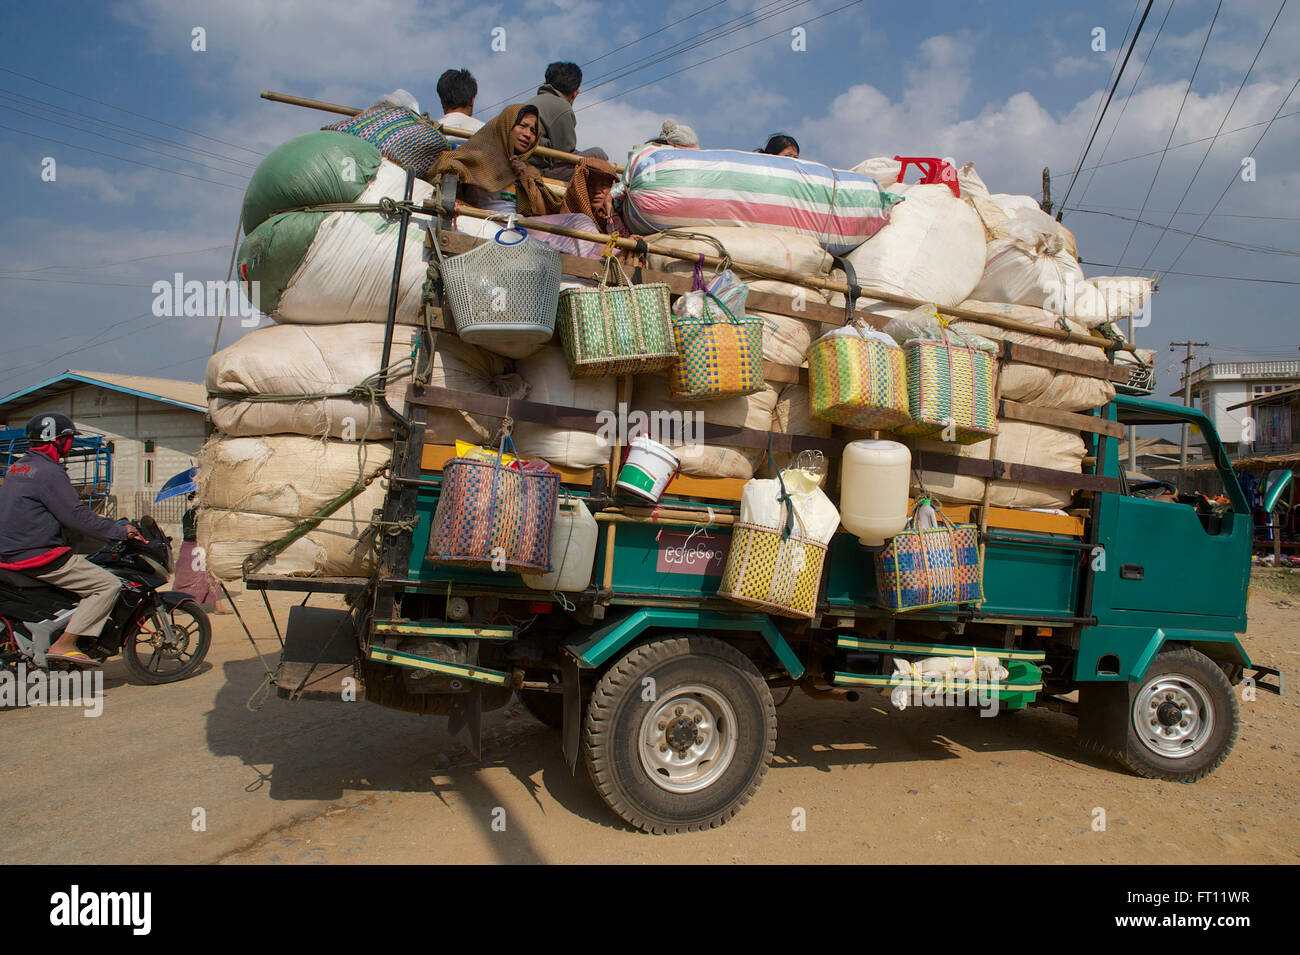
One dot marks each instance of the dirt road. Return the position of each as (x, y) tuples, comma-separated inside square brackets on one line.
[(340, 783)]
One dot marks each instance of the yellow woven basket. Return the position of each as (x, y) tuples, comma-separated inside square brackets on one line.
[(768, 572)]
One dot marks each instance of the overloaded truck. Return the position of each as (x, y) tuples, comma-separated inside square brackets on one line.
[(937, 515), (1123, 609)]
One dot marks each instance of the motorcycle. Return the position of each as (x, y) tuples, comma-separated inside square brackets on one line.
[(162, 635)]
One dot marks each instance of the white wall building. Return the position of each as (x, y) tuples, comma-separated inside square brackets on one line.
[(1218, 386), (156, 425)]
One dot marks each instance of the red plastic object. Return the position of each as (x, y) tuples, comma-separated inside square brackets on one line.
[(934, 171)]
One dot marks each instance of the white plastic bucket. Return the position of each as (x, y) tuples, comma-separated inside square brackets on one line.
[(647, 469)]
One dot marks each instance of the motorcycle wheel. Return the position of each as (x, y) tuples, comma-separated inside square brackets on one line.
[(149, 660)]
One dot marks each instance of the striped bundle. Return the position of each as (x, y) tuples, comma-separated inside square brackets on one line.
[(682, 188)]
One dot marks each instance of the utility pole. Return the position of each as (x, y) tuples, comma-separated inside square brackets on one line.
[(1187, 396), (1046, 204)]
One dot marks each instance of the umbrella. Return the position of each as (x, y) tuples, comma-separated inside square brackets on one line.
[(178, 484)]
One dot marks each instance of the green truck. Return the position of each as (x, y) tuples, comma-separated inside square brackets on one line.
[(1123, 611)]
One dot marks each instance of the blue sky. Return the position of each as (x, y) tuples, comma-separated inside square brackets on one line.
[(1010, 86)]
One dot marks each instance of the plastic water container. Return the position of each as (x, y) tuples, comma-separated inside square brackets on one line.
[(573, 549), (873, 489)]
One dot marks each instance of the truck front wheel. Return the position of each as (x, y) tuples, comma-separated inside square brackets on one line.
[(679, 734), (1183, 720)]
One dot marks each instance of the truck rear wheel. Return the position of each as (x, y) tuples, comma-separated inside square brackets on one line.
[(1184, 718), (679, 734)]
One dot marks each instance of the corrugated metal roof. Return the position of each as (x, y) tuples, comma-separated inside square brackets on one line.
[(182, 394), (1268, 396)]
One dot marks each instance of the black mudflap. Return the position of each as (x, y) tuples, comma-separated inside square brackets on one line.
[(319, 657)]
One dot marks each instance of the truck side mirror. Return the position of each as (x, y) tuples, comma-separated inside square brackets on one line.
[(1279, 485)]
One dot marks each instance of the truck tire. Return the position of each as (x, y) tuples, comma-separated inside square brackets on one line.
[(692, 756), (547, 707), (1183, 720)]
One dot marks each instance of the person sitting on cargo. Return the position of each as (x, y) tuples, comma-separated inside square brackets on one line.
[(496, 177), (589, 193), (779, 144), (559, 125), (456, 90)]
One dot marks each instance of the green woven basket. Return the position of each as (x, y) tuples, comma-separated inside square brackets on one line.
[(616, 329)]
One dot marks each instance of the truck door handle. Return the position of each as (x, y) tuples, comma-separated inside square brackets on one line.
[(1131, 572)]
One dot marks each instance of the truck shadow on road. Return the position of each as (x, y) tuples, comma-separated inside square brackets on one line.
[(324, 751)]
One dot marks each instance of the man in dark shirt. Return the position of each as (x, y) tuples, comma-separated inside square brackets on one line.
[(37, 500), (554, 102)]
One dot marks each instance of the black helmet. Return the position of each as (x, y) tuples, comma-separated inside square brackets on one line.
[(49, 427)]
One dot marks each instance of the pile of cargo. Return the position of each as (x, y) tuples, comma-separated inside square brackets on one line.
[(299, 405)]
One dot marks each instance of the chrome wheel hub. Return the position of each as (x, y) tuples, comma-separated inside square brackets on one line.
[(688, 739), (1172, 716)]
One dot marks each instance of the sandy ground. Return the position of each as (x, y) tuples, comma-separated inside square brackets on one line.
[(188, 773)]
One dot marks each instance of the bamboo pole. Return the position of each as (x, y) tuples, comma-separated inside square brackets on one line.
[(545, 152), (607, 517), (794, 278)]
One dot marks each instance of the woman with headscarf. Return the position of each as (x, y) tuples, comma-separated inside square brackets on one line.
[(496, 176), (589, 193)]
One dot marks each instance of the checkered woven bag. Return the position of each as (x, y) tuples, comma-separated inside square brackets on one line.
[(718, 356), (616, 329), (935, 567), (950, 386), (494, 517), (402, 136), (768, 571), (858, 380)]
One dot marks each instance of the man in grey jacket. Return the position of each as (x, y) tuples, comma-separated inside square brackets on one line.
[(37, 500), (554, 102)]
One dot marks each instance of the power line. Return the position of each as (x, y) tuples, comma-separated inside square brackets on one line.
[(1129, 98), (1113, 87), (1217, 215), (1172, 129), (1110, 75), (513, 97), (1232, 243), (693, 43), (73, 351), (23, 132), (1199, 275), (120, 109), (88, 118), (719, 56), (1235, 172), (1156, 152), (105, 265), (1191, 182), (114, 139)]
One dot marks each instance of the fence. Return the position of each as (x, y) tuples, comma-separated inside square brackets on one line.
[(169, 511)]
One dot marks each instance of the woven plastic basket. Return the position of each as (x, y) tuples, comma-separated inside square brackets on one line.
[(399, 134), (718, 356), (950, 386), (767, 571), (858, 381), (493, 517), (616, 329), (936, 567), (504, 295)]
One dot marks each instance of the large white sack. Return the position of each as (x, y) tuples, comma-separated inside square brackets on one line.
[(1036, 273), (1031, 384), (1109, 298), (347, 273), (786, 340), (301, 360), (1018, 442), (650, 394), (255, 490), (884, 169), (933, 249), (793, 415), (787, 251), (547, 377)]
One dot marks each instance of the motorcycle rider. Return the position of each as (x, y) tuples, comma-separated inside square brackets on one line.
[(37, 500)]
